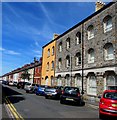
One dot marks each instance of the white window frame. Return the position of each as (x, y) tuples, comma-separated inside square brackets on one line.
[(78, 59), (78, 81), (52, 64), (59, 64), (53, 50), (107, 24), (68, 43), (90, 32), (108, 55), (90, 57), (91, 85), (78, 38), (48, 52), (68, 62)]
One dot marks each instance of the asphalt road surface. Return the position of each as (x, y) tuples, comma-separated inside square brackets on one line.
[(33, 106)]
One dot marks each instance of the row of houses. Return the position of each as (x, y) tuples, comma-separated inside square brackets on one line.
[(84, 56), (33, 69)]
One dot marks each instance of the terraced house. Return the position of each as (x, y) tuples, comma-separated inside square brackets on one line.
[(48, 62), (86, 54)]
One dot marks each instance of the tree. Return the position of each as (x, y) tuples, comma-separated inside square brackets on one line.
[(25, 75)]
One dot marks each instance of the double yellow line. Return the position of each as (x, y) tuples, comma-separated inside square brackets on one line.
[(13, 110)]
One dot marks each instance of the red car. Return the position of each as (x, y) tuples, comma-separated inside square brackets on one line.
[(108, 104)]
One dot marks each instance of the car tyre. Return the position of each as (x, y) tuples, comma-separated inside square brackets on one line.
[(46, 97), (100, 116), (61, 101)]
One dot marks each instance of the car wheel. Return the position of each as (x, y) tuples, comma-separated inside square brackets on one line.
[(27, 91), (100, 116), (46, 97), (61, 101), (82, 103)]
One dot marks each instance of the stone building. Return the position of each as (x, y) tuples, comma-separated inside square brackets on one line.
[(86, 54)]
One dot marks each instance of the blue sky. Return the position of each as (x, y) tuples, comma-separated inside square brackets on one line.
[(27, 26)]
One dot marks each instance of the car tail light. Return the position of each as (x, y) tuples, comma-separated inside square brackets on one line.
[(78, 94), (62, 92), (56, 90), (102, 102)]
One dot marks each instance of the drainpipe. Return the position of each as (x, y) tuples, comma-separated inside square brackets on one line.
[(82, 40)]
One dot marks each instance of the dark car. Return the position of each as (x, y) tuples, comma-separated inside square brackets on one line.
[(40, 90), (53, 92), (5, 82), (21, 85), (71, 94), (108, 104)]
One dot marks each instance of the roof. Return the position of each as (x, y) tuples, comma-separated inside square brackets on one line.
[(89, 17)]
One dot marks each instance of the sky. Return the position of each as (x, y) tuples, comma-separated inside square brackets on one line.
[(28, 26)]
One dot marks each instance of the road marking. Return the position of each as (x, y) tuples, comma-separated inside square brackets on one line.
[(13, 110)]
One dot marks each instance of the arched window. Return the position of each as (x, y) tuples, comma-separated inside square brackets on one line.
[(108, 51), (52, 81), (78, 38), (53, 50), (91, 55), (78, 58), (67, 61), (68, 43), (59, 63), (91, 85), (78, 81), (90, 31), (59, 81), (48, 52), (67, 80), (60, 47), (46, 80), (107, 23), (48, 66), (52, 64)]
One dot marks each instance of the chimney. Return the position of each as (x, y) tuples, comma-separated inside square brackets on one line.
[(99, 5), (55, 36)]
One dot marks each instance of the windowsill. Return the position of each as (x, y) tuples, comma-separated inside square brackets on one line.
[(109, 59), (91, 94), (106, 31), (90, 62)]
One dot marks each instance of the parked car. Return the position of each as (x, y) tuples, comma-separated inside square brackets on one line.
[(108, 104), (53, 92), (71, 94), (21, 85), (11, 83), (15, 83), (30, 87), (40, 90), (5, 82)]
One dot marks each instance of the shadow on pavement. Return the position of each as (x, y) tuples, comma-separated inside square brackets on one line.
[(13, 95)]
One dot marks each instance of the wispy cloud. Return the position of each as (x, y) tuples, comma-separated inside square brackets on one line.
[(10, 52)]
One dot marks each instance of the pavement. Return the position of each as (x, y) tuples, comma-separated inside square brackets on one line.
[(92, 104)]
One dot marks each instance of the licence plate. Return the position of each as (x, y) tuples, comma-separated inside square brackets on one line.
[(69, 99), (114, 105), (49, 94)]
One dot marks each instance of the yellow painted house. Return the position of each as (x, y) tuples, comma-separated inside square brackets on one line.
[(48, 63)]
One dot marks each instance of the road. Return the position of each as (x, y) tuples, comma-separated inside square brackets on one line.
[(32, 106)]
